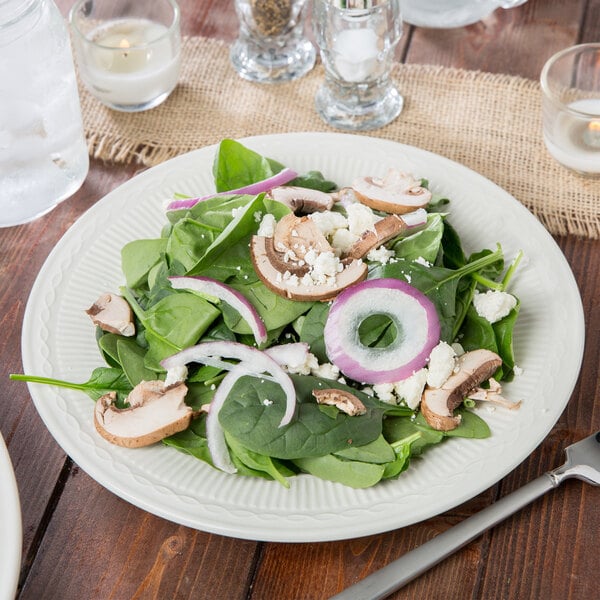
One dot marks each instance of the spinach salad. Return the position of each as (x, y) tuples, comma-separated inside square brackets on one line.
[(208, 321)]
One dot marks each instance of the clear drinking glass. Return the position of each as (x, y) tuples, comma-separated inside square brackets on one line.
[(357, 40), (570, 83), (128, 52), (43, 153), (271, 46)]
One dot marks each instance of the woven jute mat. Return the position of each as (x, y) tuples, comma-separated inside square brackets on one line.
[(489, 123)]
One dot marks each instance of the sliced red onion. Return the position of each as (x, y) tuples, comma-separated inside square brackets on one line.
[(413, 314), (254, 361), (284, 176), (223, 292), (415, 218), (215, 436)]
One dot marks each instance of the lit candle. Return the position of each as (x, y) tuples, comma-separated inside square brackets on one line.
[(356, 52), (131, 62), (574, 141)]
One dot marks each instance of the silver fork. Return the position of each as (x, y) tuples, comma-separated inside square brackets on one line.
[(583, 462)]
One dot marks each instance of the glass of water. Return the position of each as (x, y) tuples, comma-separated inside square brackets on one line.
[(357, 40)]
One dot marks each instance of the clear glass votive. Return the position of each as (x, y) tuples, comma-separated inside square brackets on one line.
[(570, 83), (271, 46), (128, 53), (357, 40)]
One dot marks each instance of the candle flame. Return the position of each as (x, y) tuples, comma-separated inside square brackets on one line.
[(591, 135), (124, 44), (594, 127)]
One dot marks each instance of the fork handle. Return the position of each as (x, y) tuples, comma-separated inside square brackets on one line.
[(406, 568)]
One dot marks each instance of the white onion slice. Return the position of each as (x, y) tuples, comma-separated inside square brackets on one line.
[(254, 361), (413, 314), (284, 176), (213, 287)]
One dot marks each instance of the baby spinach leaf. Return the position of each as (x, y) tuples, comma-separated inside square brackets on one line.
[(425, 243), (311, 330), (131, 357), (378, 451), (314, 180), (235, 166), (254, 408), (138, 257), (352, 473)]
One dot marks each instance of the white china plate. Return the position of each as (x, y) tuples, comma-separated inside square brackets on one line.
[(10, 527), (58, 341)]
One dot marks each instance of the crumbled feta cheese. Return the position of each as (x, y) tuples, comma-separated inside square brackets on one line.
[(305, 368), (236, 211), (381, 254), (385, 392), (360, 219), (257, 216), (326, 371), (442, 362), (342, 240), (411, 388), (267, 402), (494, 305), (267, 226), (420, 260), (517, 370), (329, 222), (175, 375), (327, 264)]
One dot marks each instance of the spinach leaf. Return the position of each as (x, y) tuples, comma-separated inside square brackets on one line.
[(102, 381), (236, 166), (138, 257), (378, 451), (425, 243), (311, 330), (352, 473), (131, 357), (254, 408), (314, 180)]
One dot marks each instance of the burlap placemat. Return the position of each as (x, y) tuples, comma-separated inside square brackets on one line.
[(490, 123)]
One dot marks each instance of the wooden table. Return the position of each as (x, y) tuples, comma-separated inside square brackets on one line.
[(81, 541)]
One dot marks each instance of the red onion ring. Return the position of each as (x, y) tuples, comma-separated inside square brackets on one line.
[(415, 318)]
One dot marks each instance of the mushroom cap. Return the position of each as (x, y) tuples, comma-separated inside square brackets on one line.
[(385, 229), (298, 235), (112, 313), (302, 200), (272, 277), (438, 404), (155, 412), (345, 401), (396, 193)]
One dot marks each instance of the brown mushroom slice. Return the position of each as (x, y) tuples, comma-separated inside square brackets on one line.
[(396, 193), (275, 280), (385, 230), (282, 261), (155, 412), (112, 313), (345, 401), (297, 235), (302, 200), (438, 404)]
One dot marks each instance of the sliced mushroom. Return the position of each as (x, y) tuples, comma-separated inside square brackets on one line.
[(397, 192), (385, 230), (289, 285), (345, 401), (302, 200), (438, 404), (493, 394), (155, 412), (112, 313)]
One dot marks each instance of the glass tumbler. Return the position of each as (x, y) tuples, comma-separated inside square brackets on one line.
[(43, 152), (570, 83), (357, 41), (271, 46)]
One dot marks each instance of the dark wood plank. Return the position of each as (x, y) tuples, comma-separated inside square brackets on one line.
[(99, 546), (516, 41)]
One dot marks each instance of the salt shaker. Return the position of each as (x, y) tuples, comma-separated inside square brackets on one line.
[(43, 153)]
